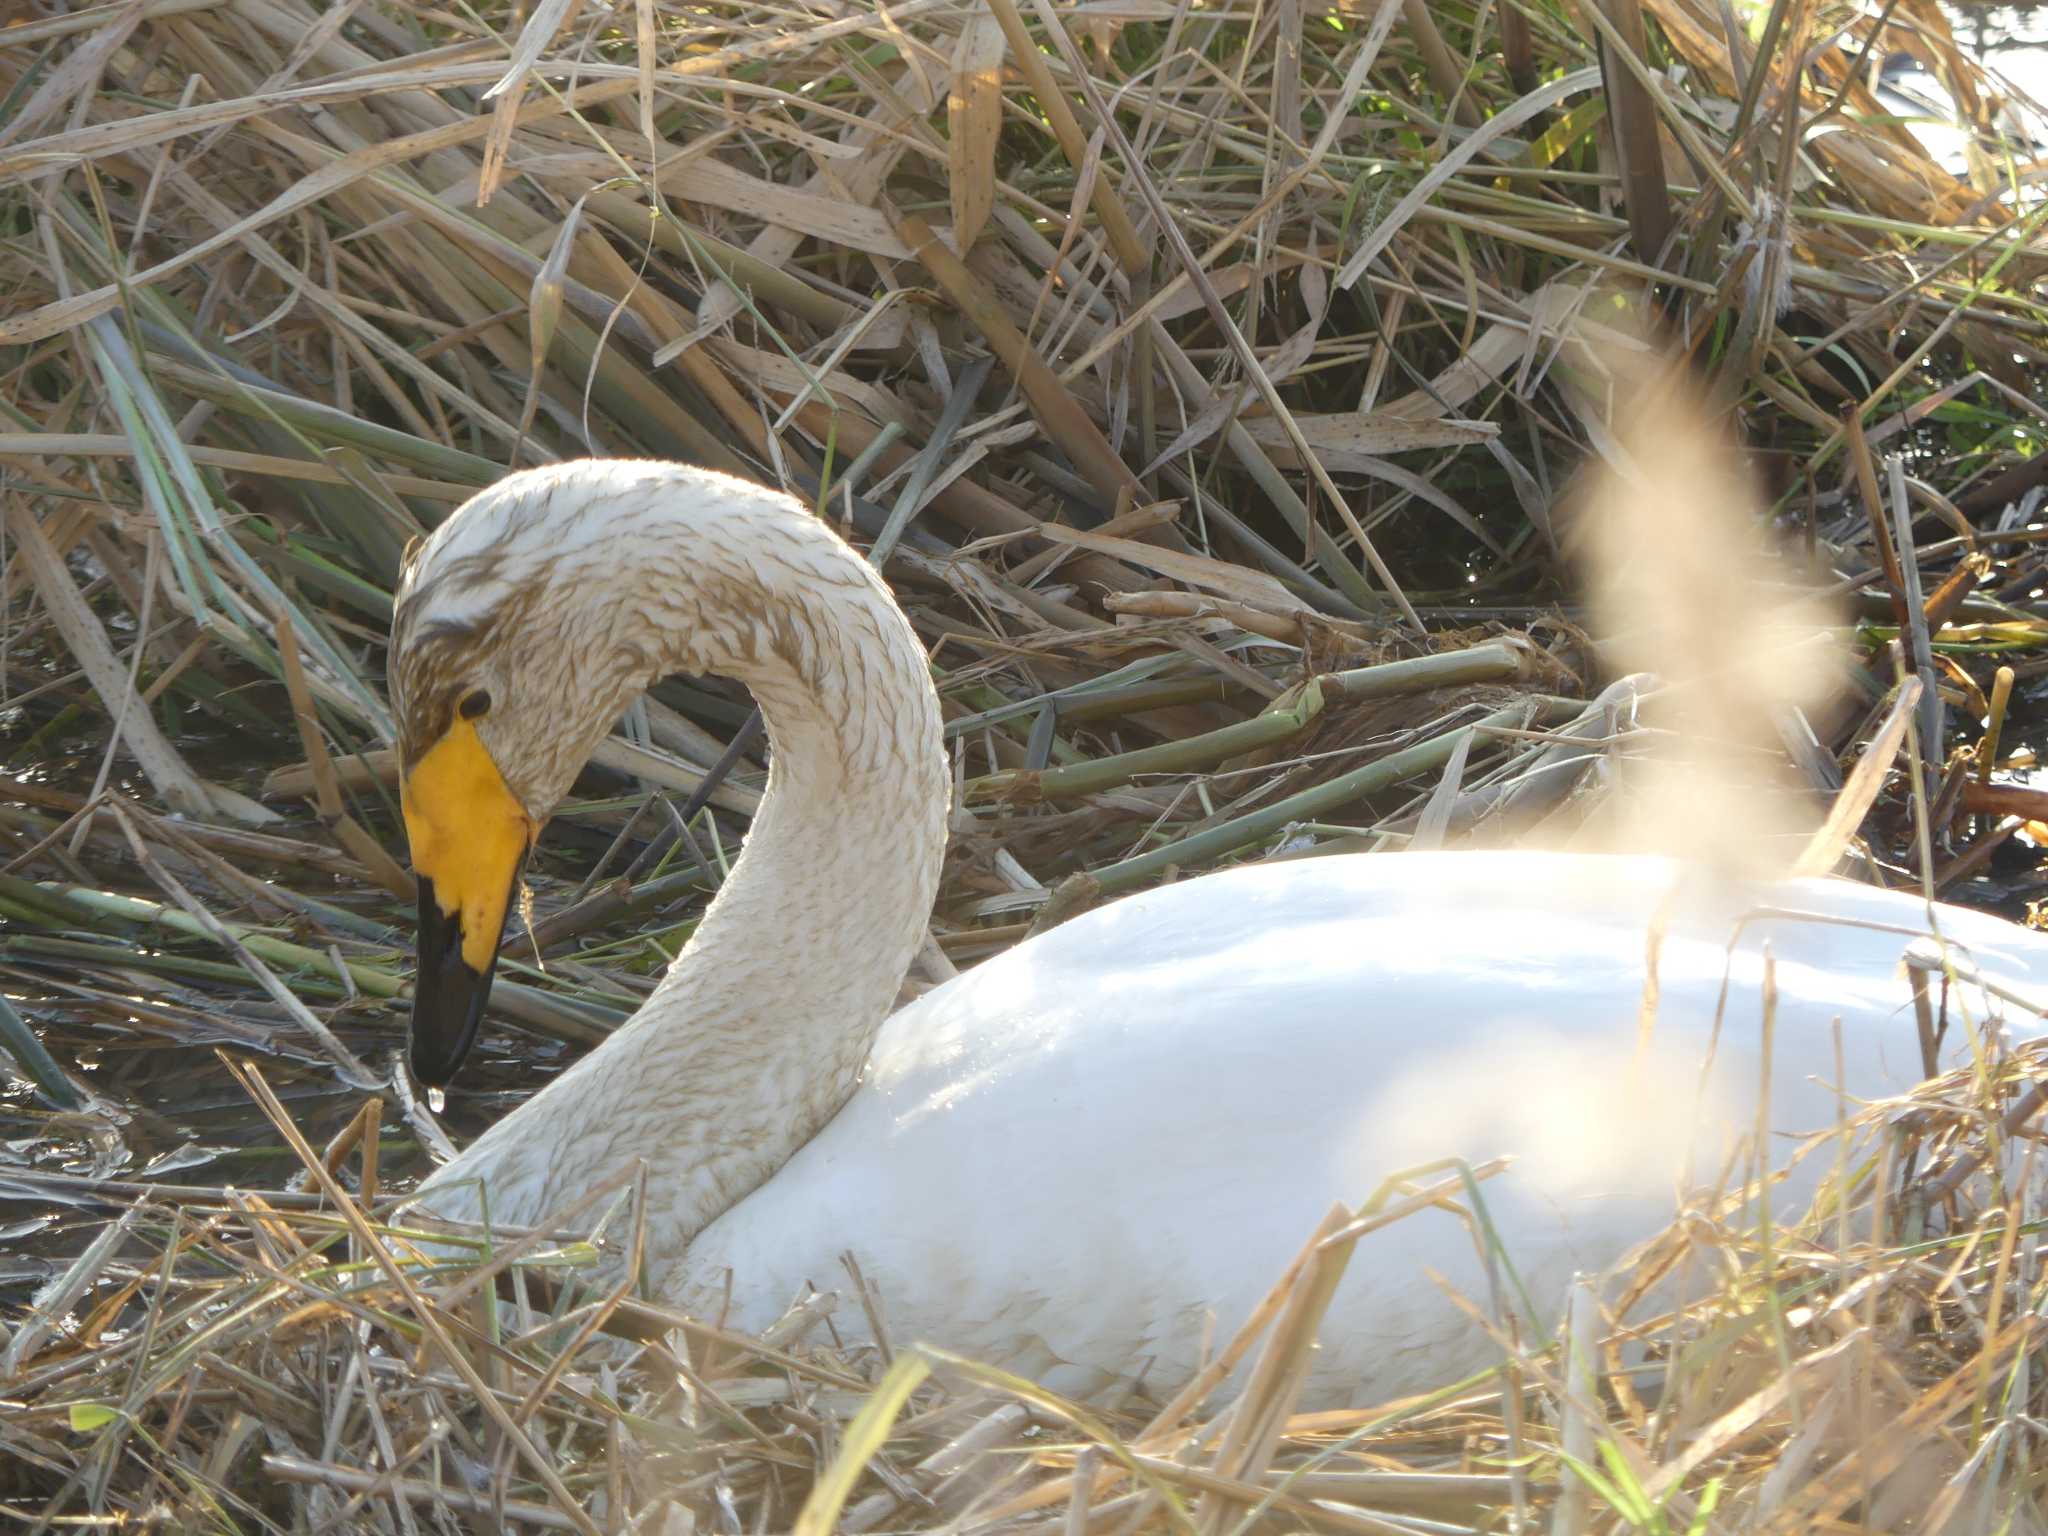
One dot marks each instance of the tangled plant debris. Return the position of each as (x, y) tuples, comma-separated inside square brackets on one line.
[(1210, 381)]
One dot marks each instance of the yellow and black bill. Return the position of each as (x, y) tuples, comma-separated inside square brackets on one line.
[(470, 837)]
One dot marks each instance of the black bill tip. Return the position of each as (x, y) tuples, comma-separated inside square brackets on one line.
[(448, 995)]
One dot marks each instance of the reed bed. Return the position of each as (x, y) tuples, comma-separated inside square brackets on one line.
[(1209, 382)]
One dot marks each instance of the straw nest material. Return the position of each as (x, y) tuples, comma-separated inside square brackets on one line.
[(1209, 377), (295, 1363)]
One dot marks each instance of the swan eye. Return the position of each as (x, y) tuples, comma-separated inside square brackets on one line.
[(474, 704)]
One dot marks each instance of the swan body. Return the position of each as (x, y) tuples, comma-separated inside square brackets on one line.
[(1093, 1154), (1073, 1157)]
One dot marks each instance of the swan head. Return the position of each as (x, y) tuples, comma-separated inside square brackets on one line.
[(523, 628), (545, 605)]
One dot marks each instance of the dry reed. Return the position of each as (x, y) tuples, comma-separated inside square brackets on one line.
[(1211, 369)]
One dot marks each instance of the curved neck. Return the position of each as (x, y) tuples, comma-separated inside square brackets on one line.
[(759, 1031)]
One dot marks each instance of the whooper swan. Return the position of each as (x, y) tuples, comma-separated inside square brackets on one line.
[(1088, 1153)]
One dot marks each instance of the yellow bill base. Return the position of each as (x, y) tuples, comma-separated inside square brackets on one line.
[(468, 835)]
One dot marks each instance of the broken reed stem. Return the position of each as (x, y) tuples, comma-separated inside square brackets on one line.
[(1994, 725), (1645, 193), (347, 831), (1275, 725), (371, 979), (1238, 832), (1922, 652)]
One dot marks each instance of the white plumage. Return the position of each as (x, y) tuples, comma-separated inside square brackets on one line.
[(1073, 1158), (1066, 1156)]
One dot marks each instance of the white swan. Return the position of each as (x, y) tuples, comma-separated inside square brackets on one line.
[(1071, 1157)]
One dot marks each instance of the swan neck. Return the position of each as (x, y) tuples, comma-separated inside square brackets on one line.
[(759, 1032)]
